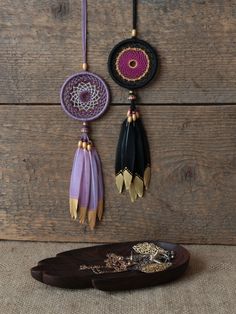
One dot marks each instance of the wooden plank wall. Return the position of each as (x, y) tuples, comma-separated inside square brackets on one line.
[(189, 112)]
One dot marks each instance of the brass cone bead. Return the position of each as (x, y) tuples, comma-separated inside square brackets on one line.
[(128, 113)]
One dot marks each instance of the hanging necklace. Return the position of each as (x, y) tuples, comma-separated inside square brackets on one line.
[(133, 64), (85, 97)]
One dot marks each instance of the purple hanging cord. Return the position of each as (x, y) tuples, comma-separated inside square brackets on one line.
[(84, 33)]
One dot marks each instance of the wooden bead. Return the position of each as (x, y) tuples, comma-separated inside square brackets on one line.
[(129, 119), (128, 113), (80, 144), (89, 147), (132, 97), (134, 117), (84, 145), (134, 32), (85, 66)]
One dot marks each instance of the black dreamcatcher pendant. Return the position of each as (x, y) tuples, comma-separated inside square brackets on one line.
[(132, 64)]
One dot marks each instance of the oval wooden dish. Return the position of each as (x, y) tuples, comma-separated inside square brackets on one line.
[(64, 270)]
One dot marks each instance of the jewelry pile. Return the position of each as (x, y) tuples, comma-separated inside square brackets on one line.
[(145, 257)]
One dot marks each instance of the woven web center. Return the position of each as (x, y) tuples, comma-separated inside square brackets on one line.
[(85, 96), (132, 63)]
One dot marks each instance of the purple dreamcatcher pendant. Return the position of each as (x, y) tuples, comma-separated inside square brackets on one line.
[(132, 64), (85, 97)]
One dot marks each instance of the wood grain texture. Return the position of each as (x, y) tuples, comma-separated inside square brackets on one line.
[(192, 194), (40, 45)]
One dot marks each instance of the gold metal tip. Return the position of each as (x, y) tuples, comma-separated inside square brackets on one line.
[(82, 214), (132, 193), (92, 219), (85, 66), (127, 179), (134, 32), (146, 177), (119, 182), (73, 207), (138, 186), (100, 209)]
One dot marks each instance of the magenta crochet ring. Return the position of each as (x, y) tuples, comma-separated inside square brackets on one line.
[(133, 63), (84, 96)]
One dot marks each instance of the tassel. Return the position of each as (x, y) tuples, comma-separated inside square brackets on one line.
[(93, 199), (100, 185), (86, 185), (119, 165), (75, 181), (140, 162), (132, 167), (129, 153), (147, 159)]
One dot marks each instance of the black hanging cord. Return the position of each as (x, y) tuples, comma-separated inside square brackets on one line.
[(134, 15)]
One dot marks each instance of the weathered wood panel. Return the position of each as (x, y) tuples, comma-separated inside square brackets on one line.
[(40, 45), (192, 195)]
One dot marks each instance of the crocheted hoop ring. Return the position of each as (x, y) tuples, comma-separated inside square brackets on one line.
[(84, 96), (132, 63)]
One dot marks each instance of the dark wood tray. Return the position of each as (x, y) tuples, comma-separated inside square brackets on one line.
[(63, 270)]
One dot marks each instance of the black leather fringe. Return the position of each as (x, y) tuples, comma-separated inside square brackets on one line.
[(132, 166)]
